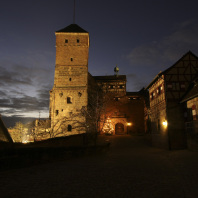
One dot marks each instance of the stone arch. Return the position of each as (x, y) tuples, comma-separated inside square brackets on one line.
[(119, 128)]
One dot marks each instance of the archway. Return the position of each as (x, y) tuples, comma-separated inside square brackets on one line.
[(119, 128)]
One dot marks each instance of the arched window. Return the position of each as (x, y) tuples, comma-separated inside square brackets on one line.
[(69, 127), (69, 100)]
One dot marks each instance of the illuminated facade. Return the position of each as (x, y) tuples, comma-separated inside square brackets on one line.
[(70, 91), (124, 111), (75, 89), (166, 112), (191, 114)]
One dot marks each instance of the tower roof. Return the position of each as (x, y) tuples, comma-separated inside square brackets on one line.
[(72, 28)]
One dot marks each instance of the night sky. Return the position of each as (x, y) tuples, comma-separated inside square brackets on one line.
[(141, 37)]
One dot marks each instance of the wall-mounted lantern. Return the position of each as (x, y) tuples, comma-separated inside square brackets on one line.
[(165, 123)]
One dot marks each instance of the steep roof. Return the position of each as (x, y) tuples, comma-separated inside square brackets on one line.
[(4, 134), (187, 54), (73, 28), (154, 80), (165, 71)]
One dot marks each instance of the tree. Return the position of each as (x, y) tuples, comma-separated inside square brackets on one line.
[(18, 132), (41, 129)]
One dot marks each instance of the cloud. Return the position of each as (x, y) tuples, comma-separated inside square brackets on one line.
[(24, 89), (13, 77), (163, 53), (25, 103)]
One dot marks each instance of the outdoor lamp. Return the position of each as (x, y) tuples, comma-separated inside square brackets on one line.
[(165, 123)]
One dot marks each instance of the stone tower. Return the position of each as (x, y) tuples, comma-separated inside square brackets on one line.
[(70, 91)]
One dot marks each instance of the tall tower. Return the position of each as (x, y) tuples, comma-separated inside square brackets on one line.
[(69, 93)]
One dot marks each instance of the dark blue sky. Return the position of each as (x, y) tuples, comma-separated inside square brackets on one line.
[(141, 37)]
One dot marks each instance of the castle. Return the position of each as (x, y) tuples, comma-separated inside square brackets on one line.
[(80, 102)]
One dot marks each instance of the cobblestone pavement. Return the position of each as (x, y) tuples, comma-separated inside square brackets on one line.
[(130, 169)]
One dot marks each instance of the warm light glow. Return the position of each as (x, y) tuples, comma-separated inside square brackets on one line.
[(129, 124), (108, 127), (165, 123), (24, 141)]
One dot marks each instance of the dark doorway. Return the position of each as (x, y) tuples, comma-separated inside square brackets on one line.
[(119, 128)]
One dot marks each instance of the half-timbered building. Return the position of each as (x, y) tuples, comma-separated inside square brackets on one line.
[(191, 115), (166, 112)]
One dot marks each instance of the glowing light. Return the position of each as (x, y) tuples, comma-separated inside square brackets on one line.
[(108, 127), (129, 123), (165, 123)]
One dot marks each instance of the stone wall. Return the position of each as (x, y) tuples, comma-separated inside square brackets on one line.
[(70, 91)]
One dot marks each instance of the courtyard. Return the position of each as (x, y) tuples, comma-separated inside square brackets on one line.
[(129, 168)]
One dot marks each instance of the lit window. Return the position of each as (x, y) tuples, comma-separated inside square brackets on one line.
[(116, 98), (152, 95)]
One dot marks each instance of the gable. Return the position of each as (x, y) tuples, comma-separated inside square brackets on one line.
[(185, 69)]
